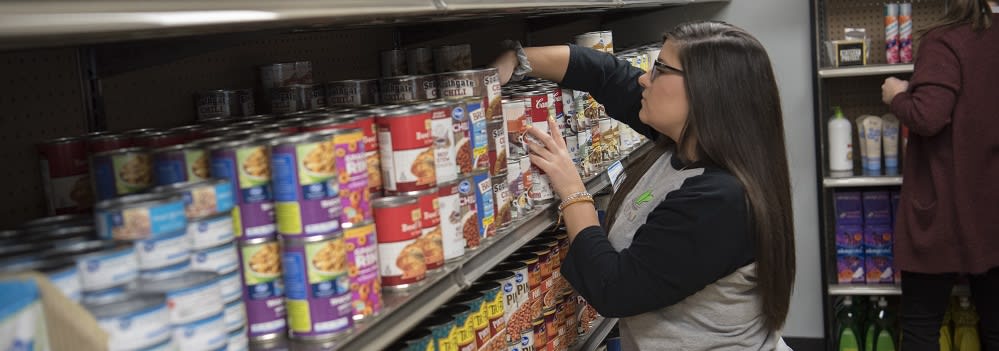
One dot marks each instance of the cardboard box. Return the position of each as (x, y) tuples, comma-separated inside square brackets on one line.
[(849, 208), (877, 208)]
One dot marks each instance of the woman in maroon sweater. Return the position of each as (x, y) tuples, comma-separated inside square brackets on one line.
[(948, 217)]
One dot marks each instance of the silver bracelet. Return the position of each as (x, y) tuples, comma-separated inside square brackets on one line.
[(523, 64)]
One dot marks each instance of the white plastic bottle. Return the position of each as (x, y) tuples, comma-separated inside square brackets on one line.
[(840, 142)]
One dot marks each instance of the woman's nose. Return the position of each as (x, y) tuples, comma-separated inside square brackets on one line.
[(644, 81)]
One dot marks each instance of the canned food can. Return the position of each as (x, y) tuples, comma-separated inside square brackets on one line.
[(569, 109), (163, 251), (285, 74), (478, 135), (551, 323), (234, 316), (515, 185), (289, 99), (445, 152), (545, 272), (527, 338), (536, 104), (485, 204), (238, 340), (584, 140), (494, 94), (416, 340), (515, 114), (464, 156), (352, 176), (306, 192), (190, 297), (408, 89), (420, 61), (221, 259), (184, 163), (263, 291), (108, 295), (65, 179), (246, 165), (541, 188), (362, 268), (441, 327), (63, 273), (143, 216), (216, 103), (502, 203), (231, 286), (507, 281), (202, 335), (158, 139), (431, 239), (354, 92), (400, 256), (534, 281), (166, 272), (317, 286), (202, 199), (470, 222), (476, 315), (498, 147), (394, 63), (120, 172), (135, 323), (407, 154), (463, 334), (555, 99), (609, 139), (317, 97), (211, 231), (572, 144), (540, 333), (450, 58), (449, 206), (492, 303), (107, 142), (466, 83)]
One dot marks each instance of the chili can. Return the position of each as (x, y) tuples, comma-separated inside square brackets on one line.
[(317, 286), (285, 74), (184, 163), (393, 63), (400, 256), (420, 61), (263, 291), (407, 154), (305, 190), (498, 147), (470, 222), (362, 268), (289, 99), (120, 172), (354, 92), (453, 57), (502, 202), (246, 164), (352, 176), (445, 152), (431, 239), (451, 215), (65, 176), (408, 89)]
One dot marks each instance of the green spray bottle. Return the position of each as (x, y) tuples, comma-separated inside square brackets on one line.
[(849, 337)]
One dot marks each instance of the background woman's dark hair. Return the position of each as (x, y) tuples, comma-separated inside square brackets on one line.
[(735, 122), (977, 13)]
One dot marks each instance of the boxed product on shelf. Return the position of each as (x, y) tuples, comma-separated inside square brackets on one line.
[(896, 196), (877, 207), (849, 254), (878, 255), (849, 208)]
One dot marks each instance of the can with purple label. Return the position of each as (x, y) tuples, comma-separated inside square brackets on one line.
[(246, 164), (352, 176), (318, 288), (306, 191), (263, 289), (362, 268)]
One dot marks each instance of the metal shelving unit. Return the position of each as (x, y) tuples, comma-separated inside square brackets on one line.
[(869, 70), (849, 182), (592, 339), (882, 290)]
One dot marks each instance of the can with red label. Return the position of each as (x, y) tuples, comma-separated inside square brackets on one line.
[(246, 164), (184, 163), (442, 125), (400, 256), (464, 156), (306, 192), (484, 203), (503, 202), (406, 147), (431, 239), (555, 99), (352, 176), (540, 334), (544, 260), (451, 215), (408, 89), (498, 147), (494, 93), (120, 172), (536, 103), (362, 264), (470, 214), (515, 114), (63, 163), (108, 142)]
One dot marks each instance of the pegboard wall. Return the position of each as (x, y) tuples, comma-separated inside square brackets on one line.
[(39, 99), (838, 15)]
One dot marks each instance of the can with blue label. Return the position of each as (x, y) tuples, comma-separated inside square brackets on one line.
[(202, 199), (120, 172), (306, 189), (166, 272), (190, 297), (163, 251), (135, 323), (318, 293), (247, 165), (210, 232), (220, 259), (484, 203), (113, 266), (137, 217), (207, 334), (478, 133), (184, 163)]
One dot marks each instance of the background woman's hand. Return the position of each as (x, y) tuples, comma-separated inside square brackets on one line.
[(552, 156), (892, 86)]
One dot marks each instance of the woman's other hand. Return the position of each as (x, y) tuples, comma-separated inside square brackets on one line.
[(892, 86), (552, 156)]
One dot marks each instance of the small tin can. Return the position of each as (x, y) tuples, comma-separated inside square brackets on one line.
[(221, 259), (354, 92), (285, 74), (470, 222), (503, 202), (420, 61), (120, 172), (492, 305), (210, 231), (521, 277), (545, 271), (451, 216), (238, 340), (162, 251), (362, 264), (498, 147), (190, 297), (352, 176), (65, 175), (445, 152), (449, 58), (289, 99), (493, 98), (166, 272), (316, 98), (519, 208), (540, 190), (263, 291), (142, 216), (441, 327), (551, 323), (400, 256), (461, 124), (463, 334), (366, 122), (234, 316), (408, 89), (464, 83), (184, 163), (231, 286), (515, 114), (135, 323), (477, 315), (507, 290), (431, 239), (478, 134), (407, 154), (107, 142), (540, 333), (246, 165), (484, 203), (306, 193), (215, 104), (202, 335), (62, 272), (533, 262), (317, 286), (394, 63), (202, 199)]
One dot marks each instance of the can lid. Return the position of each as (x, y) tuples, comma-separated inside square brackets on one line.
[(123, 307), (393, 201), (497, 275), (180, 187), (127, 150), (257, 241), (417, 334), (349, 226), (136, 200), (437, 320), (415, 193), (522, 258), (190, 279), (449, 183), (351, 81), (301, 240), (62, 140), (88, 249), (290, 139), (44, 265), (257, 117), (455, 310), (483, 286)]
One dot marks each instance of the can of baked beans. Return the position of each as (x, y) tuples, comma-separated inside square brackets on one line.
[(306, 192), (184, 163), (407, 153), (362, 268), (431, 239), (108, 142), (544, 259), (285, 74), (353, 92), (420, 61), (484, 203), (247, 165), (263, 288), (317, 287), (492, 305), (464, 156), (498, 147), (463, 334), (451, 218), (502, 203), (119, 172), (408, 89), (540, 333), (400, 256), (393, 63), (470, 223), (65, 176), (445, 152), (515, 114), (477, 315), (534, 280)]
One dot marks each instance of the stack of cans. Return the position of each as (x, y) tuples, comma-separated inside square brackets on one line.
[(288, 87)]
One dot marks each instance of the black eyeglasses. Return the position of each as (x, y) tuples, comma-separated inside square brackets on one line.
[(661, 67)]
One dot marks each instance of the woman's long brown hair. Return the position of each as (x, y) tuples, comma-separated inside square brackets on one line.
[(976, 13), (735, 122)]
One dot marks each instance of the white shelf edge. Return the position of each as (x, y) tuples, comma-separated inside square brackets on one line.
[(869, 70), (861, 181), (882, 290)]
